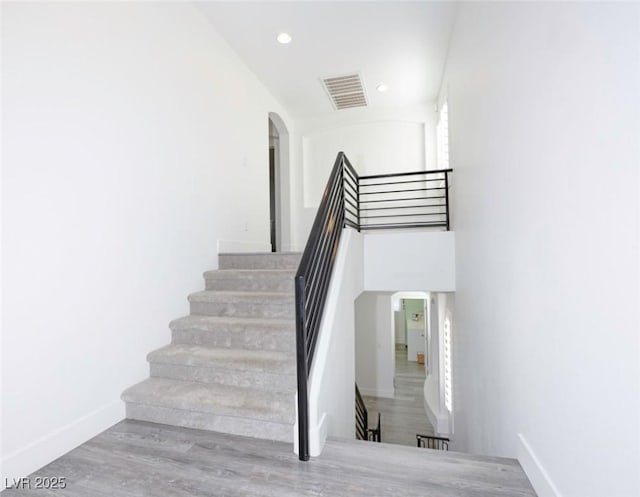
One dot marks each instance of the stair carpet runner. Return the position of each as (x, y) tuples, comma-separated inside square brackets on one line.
[(231, 365)]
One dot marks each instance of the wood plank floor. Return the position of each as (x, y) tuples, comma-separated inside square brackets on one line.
[(138, 459), (403, 416)]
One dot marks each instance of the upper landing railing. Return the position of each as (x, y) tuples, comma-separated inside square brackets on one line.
[(385, 201)]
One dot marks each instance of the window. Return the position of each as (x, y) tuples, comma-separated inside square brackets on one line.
[(448, 394), (442, 131)]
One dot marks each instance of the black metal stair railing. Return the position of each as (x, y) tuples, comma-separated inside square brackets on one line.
[(363, 432), (390, 201), (404, 200), (312, 281), (362, 417), (375, 434), (432, 442)]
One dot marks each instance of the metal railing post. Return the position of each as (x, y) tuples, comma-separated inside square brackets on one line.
[(358, 200), (446, 196), (343, 198), (301, 355)]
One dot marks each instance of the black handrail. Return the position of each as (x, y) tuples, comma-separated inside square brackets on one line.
[(432, 442), (393, 201), (313, 277), (410, 173), (363, 432), (375, 434), (344, 205), (362, 418)]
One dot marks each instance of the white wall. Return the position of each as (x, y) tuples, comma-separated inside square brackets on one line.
[(400, 327), (283, 152), (376, 148), (375, 141), (375, 344), (410, 261), (544, 110), (131, 131), (432, 381), (2, 473), (358, 335), (331, 382), (416, 330), (439, 416)]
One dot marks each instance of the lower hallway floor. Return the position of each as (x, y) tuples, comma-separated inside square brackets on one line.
[(135, 458), (403, 416)]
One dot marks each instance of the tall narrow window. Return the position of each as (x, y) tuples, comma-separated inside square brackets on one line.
[(448, 394), (442, 131)]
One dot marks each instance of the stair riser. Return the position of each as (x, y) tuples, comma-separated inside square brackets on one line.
[(250, 340), (282, 432), (272, 407), (246, 283), (269, 310), (283, 383), (257, 261)]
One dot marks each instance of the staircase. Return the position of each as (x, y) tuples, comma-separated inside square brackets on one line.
[(231, 363)]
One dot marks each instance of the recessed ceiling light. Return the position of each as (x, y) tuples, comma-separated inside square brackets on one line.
[(284, 38), (382, 88)]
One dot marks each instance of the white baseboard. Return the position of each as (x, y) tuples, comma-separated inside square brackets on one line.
[(317, 437), (431, 416), (539, 478), (35, 455), (378, 392), (439, 421), (234, 246)]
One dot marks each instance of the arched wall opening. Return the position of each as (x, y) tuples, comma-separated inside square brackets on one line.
[(279, 184)]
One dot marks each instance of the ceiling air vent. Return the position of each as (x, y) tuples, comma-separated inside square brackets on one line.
[(346, 92)]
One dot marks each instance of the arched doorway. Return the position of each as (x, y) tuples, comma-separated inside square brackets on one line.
[(278, 184)]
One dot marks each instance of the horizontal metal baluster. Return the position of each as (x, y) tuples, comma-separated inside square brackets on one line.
[(406, 215), (402, 225), (412, 173), (402, 191), (419, 180), (400, 207), (414, 199)]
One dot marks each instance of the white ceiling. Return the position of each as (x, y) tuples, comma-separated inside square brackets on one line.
[(401, 44)]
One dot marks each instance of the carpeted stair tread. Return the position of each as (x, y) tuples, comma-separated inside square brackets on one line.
[(259, 260)]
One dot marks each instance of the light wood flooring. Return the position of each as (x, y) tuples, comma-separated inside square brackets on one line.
[(139, 459), (403, 416)]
